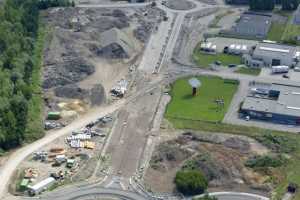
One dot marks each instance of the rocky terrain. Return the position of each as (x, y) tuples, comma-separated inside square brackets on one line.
[(220, 157), (89, 50)]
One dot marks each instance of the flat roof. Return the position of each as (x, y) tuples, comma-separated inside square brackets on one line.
[(288, 102), (253, 24), (274, 50)]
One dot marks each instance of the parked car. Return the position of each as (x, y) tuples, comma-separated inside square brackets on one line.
[(285, 76), (218, 62), (231, 65)]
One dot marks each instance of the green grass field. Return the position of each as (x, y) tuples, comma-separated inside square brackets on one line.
[(204, 60), (290, 33), (276, 31), (202, 106), (248, 71)]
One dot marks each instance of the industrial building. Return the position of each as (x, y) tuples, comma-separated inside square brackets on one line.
[(276, 103), (268, 54), (251, 25)]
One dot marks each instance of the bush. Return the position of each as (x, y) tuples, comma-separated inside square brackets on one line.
[(278, 144), (190, 182), (265, 161)]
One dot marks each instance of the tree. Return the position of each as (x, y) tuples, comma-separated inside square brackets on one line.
[(264, 5), (289, 4), (190, 182)]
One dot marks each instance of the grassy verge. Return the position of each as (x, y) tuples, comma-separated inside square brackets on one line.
[(276, 31), (203, 105), (34, 129), (290, 34), (249, 71), (217, 19), (204, 60)]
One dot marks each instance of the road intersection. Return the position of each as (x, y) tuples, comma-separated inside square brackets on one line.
[(157, 55)]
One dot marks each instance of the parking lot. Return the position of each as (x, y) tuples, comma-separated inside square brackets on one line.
[(291, 75)]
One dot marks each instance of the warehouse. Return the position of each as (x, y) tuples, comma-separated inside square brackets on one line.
[(267, 54), (251, 25), (276, 103)]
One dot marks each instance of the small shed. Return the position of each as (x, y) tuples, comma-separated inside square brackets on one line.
[(54, 115)]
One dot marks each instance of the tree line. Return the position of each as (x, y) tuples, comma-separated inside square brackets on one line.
[(258, 5), (19, 25)]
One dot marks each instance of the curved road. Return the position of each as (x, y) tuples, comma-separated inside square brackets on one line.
[(236, 196)]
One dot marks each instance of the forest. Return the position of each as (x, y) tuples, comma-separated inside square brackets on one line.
[(21, 50), (270, 4)]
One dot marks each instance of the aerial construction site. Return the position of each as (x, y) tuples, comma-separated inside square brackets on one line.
[(175, 99)]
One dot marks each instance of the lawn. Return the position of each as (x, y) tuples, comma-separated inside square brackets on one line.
[(276, 31), (203, 105), (204, 60), (290, 33), (249, 71)]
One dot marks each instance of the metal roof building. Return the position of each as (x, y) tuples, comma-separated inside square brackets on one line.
[(281, 104), (272, 54), (253, 24)]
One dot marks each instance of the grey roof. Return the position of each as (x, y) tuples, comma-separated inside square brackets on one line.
[(297, 16), (253, 24), (116, 36), (288, 102), (274, 50)]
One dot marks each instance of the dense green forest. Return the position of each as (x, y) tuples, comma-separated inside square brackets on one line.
[(270, 4), (21, 46)]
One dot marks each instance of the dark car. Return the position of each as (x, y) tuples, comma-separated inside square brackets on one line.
[(218, 62), (285, 76), (231, 65)]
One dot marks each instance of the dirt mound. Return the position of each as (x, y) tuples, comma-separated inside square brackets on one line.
[(97, 95), (168, 155), (67, 72), (71, 91), (220, 157)]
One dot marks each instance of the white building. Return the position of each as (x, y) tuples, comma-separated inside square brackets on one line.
[(270, 54), (41, 186)]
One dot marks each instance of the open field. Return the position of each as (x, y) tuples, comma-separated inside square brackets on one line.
[(202, 106), (276, 31), (249, 71), (204, 60), (291, 32)]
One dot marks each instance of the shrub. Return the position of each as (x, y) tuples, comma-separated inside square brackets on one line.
[(265, 161), (190, 182), (279, 144)]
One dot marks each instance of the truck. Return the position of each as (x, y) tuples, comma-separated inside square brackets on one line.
[(54, 116), (280, 69)]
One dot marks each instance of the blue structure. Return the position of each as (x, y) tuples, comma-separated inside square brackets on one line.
[(280, 105)]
